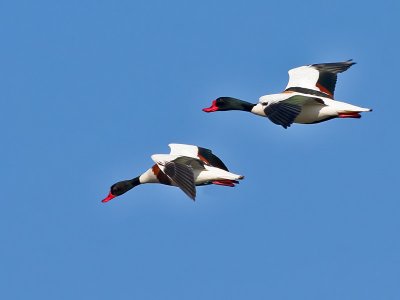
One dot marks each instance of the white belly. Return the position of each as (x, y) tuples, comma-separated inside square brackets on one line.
[(211, 174), (315, 113), (311, 113)]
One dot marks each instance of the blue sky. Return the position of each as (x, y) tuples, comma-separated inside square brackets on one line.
[(91, 89)]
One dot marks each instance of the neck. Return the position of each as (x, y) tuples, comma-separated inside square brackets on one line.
[(134, 181), (237, 104), (129, 184)]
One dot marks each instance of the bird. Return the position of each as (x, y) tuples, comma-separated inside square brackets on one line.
[(186, 166), (307, 99)]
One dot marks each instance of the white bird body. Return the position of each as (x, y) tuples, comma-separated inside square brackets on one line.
[(311, 112), (307, 98), (186, 167), (149, 177)]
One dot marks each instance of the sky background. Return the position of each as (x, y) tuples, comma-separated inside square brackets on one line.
[(91, 89)]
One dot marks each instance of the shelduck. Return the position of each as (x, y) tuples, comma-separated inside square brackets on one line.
[(307, 98), (186, 167)]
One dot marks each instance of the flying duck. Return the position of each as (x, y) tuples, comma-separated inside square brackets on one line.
[(186, 167), (307, 98)]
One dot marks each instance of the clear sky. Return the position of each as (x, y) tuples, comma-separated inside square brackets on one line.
[(91, 89)]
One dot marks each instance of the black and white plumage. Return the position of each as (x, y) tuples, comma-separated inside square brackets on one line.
[(186, 167), (307, 98), (187, 161), (320, 78)]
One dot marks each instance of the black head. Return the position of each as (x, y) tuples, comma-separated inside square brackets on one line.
[(228, 103), (120, 188)]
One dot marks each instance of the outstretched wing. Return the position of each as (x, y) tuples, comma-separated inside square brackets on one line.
[(317, 79), (201, 153), (285, 112), (183, 177)]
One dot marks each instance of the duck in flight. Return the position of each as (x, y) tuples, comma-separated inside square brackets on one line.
[(307, 99), (186, 167)]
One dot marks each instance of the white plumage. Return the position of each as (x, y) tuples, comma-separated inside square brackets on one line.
[(307, 98), (186, 167)]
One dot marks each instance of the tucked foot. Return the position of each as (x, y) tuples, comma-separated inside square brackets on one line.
[(227, 182), (354, 115)]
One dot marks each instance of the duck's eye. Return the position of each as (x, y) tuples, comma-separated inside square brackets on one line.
[(265, 103)]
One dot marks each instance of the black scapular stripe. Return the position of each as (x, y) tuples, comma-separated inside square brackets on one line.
[(308, 92)]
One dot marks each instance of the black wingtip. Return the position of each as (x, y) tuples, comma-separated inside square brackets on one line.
[(351, 62), (336, 67), (346, 65)]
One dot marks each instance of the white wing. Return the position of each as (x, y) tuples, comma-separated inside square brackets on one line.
[(317, 79), (162, 159), (184, 150), (305, 77), (196, 152)]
